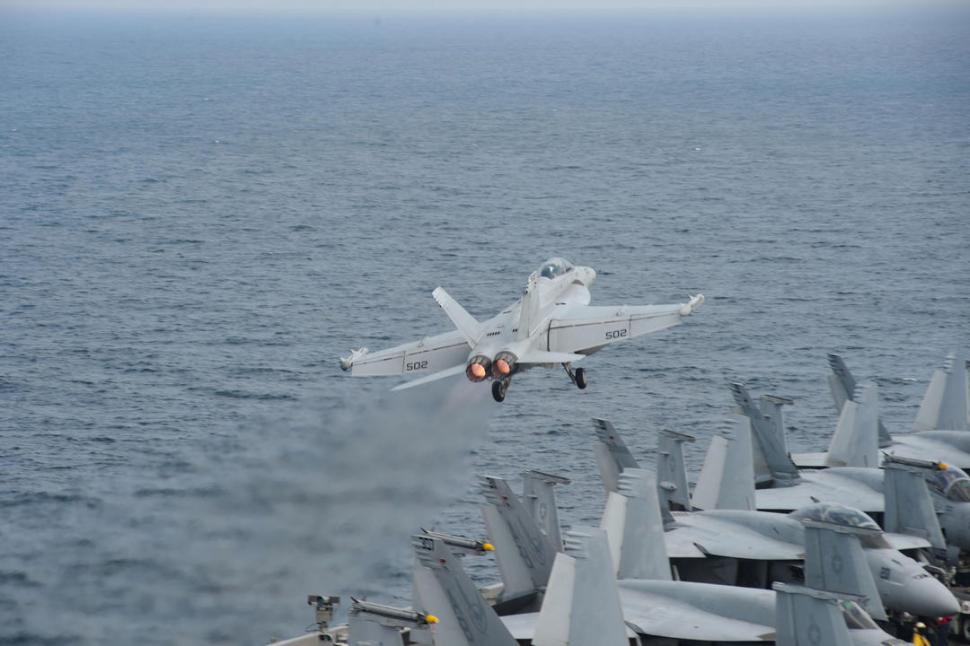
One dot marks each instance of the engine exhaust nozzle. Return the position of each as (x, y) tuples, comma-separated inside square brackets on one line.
[(478, 368), (503, 365)]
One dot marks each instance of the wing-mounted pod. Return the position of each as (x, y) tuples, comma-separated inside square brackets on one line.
[(462, 615), (612, 454), (909, 507), (582, 603), (768, 430), (835, 562), (375, 623), (727, 477), (459, 544), (539, 497), (842, 385), (523, 551), (635, 529), (671, 471), (944, 406), (855, 442), (807, 617)]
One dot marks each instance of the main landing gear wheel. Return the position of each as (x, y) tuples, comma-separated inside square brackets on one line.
[(498, 390), (580, 378)]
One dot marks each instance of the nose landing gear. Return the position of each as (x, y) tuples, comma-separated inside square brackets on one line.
[(577, 376), (499, 388)]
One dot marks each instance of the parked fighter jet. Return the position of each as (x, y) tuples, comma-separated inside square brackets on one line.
[(651, 602), (942, 432), (790, 488), (553, 323), (730, 543)]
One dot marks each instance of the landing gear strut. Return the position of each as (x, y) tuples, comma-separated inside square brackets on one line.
[(577, 376), (499, 387)]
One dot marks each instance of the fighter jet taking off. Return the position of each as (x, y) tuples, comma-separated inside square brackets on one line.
[(553, 323)]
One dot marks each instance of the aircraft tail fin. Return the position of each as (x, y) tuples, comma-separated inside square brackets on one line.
[(806, 617), (582, 603), (909, 507), (767, 426), (521, 547), (855, 442), (612, 454), (446, 592), (835, 562), (671, 471), (843, 385), (727, 477), (944, 406), (539, 498), (635, 530), (529, 310), (465, 322)]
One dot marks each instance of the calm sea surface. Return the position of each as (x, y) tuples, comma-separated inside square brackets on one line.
[(198, 214)]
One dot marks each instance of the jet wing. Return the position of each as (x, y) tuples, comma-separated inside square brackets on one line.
[(903, 542), (431, 354), (699, 612), (822, 486), (715, 537), (586, 328)]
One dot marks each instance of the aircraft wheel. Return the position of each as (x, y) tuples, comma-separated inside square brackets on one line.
[(964, 628), (498, 391), (580, 378)]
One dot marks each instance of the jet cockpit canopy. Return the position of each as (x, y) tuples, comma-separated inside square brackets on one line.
[(951, 482), (555, 267), (832, 512)]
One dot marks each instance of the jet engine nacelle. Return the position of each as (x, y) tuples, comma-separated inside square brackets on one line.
[(503, 365), (478, 368)]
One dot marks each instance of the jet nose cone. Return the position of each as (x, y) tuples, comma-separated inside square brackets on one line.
[(928, 597)]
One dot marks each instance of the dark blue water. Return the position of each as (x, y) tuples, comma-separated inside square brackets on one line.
[(199, 213)]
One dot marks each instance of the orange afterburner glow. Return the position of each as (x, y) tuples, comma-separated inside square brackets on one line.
[(502, 367), (477, 368)]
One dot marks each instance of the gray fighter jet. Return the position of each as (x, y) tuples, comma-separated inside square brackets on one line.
[(942, 432), (789, 488), (580, 581), (732, 544)]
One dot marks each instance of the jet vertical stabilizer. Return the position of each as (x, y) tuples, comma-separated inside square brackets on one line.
[(539, 498), (842, 384), (909, 507), (635, 530), (727, 477), (612, 454), (520, 545), (806, 617), (464, 322), (856, 439), (835, 562), (671, 471), (582, 603), (463, 616), (768, 434), (944, 406)]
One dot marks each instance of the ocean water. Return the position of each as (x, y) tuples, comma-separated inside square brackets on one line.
[(200, 212)]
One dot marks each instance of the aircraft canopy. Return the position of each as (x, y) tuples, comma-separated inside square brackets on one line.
[(555, 267), (952, 483), (830, 512)]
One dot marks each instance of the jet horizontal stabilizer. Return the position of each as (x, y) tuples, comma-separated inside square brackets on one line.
[(435, 376), (541, 356)]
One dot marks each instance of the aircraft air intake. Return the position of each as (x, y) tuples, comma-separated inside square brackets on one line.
[(503, 365), (478, 368)]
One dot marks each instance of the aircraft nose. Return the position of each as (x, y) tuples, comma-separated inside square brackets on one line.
[(928, 597)]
